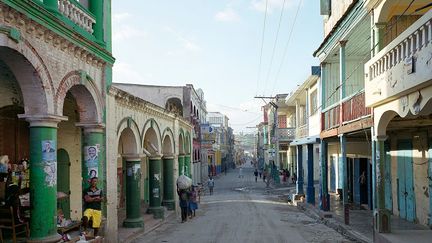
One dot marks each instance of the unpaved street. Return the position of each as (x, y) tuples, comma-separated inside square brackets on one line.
[(241, 210)]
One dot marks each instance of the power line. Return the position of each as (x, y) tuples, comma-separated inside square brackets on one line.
[(286, 46), (262, 45), (274, 45)]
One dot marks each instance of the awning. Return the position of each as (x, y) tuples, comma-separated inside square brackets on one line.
[(306, 140)]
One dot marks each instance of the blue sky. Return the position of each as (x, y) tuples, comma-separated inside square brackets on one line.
[(215, 45)]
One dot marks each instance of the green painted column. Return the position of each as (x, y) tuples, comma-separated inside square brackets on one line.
[(51, 5), (93, 155), (381, 214), (168, 182), (96, 7), (155, 188), (133, 192), (43, 180), (181, 160), (344, 175), (187, 165), (325, 197)]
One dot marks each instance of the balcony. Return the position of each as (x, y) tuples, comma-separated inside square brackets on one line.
[(330, 118), (286, 134), (78, 14), (354, 108), (401, 66), (302, 131)]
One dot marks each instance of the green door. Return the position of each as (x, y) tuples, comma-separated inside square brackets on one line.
[(406, 197), (63, 184)]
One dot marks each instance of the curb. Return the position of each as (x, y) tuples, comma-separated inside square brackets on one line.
[(346, 231), (145, 231)]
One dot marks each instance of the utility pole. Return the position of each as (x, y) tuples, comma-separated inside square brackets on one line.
[(276, 127)]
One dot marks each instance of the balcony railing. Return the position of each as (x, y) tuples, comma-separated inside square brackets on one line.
[(77, 14), (331, 118), (355, 108), (286, 134), (389, 73), (302, 131)]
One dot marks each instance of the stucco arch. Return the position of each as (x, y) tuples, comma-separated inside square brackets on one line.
[(151, 133), (187, 145), (128, 131), (86, 94), (31, 74), (389, 8), (181, 145), (168, 144)]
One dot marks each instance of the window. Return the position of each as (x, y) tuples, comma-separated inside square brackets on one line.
[(313, 102), (325, 7), (282, 121)]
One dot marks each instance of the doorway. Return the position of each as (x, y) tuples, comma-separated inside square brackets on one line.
[(405, 185), (63, 183)]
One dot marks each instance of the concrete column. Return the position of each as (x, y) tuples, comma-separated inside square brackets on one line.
[(325, 197), (181, 160), (323, 82), (344, 175), (310, 197), (379, 34), (133, 192), (381, 214), (51, 5), (93, 154), (187, 165), (43, 179), (168, 182), (299, 188), (96, 7), (342, 70), (155, 195)]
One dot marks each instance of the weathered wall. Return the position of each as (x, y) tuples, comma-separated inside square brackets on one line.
[(338, 8)]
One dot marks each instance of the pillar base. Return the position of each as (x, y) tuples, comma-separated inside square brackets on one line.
[(169, 204), (325, 202), (298, 196), (310, 198), (49, 239), (134, 223), (382, 221), (158, 212)]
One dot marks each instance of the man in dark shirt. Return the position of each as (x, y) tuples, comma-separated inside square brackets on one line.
[(93, 197)]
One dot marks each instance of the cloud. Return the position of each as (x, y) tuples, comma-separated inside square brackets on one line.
[(126, 73), (227, 15), (119, 17), (187, 43), (260, 5), (126, 32)]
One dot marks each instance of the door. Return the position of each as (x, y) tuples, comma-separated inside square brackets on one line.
[(357, 181), (406, 196), (332, 174), (63, 183)]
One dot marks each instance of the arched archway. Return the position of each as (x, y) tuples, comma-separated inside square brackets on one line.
[(168, 169), (152, 146), (181, 152), (174, 105), (187, 159), (129, 174)]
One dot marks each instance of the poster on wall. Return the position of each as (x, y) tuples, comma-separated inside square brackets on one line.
[(50, 169), (48, 150), (92, 160)]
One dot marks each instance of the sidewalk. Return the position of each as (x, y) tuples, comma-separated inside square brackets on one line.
[(360, 228), (126, 235)]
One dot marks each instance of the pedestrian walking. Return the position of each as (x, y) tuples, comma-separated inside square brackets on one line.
[(256, 175), (241, 172), (210, 184), (193, 203), (294, 178), (264, 175), (184, 203), (260, 173)]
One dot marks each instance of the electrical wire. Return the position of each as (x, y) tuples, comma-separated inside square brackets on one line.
[(286, 46), (275, 44), (262, 46)]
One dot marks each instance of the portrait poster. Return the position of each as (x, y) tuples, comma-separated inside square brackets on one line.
[(48, 150), (93, 172), (91, 156), (50, 169)]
